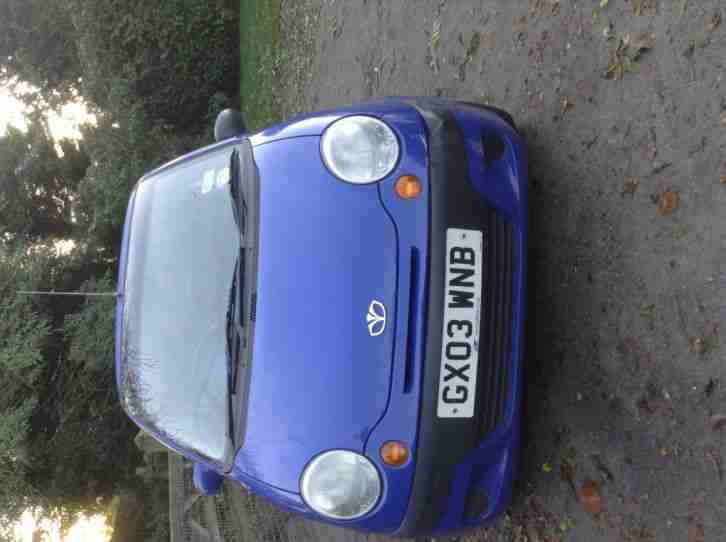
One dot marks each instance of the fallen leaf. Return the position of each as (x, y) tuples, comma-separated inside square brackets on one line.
[(641, 42), (695, 529), (567, 104), (668, 203), (488, 40), (718, 422), (435, 34), (630, 186), (567, 474), (680, 232), (624, 58), (641, 533), (520, 24), (713, 22), (546, 467), (648, 310), (544, 7), (715, 457), (698, 345), (474, 44), (639, 6), (723, 179), (590, 497)]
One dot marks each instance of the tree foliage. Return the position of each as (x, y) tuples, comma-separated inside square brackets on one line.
[(157, 75), (24, 336), (169, 58), (37, 47), (154, 74), (38, 186)]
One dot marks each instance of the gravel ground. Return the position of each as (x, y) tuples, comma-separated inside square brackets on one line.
[(623, 108)]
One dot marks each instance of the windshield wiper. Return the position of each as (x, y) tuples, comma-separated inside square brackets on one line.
[(232, 332), (235, 333), (236, 315), (233, 336), (239, 204)]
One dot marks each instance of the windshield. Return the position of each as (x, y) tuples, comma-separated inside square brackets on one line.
[(182, 249)]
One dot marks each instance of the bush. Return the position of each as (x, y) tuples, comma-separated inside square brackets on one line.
[(171, 56), (157, 74)]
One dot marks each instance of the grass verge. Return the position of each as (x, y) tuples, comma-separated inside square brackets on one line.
[(259, 51)]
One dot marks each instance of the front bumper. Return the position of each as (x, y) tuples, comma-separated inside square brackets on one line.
[(464, 468)]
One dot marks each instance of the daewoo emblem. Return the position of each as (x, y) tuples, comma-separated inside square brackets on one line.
[(376, 318)]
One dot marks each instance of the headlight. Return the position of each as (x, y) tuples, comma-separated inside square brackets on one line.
[(341, 485), (360, 149)]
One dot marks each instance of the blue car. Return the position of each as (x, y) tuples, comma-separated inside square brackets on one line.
[(330, 312)]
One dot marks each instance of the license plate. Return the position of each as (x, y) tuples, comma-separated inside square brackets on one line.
[(462, 307)]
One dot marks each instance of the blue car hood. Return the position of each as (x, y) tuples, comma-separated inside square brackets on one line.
[(327, 251)]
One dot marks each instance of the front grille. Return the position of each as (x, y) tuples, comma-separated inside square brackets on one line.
[(495, 336)]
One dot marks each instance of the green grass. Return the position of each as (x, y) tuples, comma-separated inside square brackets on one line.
[(259, 50)]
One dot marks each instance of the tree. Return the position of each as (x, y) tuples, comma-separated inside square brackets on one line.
[(24, 334), (169, 58), (37, 185), (38, 46), (64, 439), (155, 74)]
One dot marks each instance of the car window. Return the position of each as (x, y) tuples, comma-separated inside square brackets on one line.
[(182, 249)]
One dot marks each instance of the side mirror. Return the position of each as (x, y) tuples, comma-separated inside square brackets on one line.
[(206, 480), (229, 123)]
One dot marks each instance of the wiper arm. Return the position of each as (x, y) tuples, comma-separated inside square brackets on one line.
[(233, 350), (239, 205), (232, 332), (235, 333), (236, 315)]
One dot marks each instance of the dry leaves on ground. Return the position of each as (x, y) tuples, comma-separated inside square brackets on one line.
[(590, 497), (668, 202), (567, 104), (698, 345), (713, 22), (640, 43), (718, 422), (543, 7), (567, 474), (714, 456), (695, 529), (624, 57), (630, 186), (641, 6)]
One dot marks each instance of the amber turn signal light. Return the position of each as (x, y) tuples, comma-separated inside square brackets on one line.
[(394, 453), (408, 187)]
